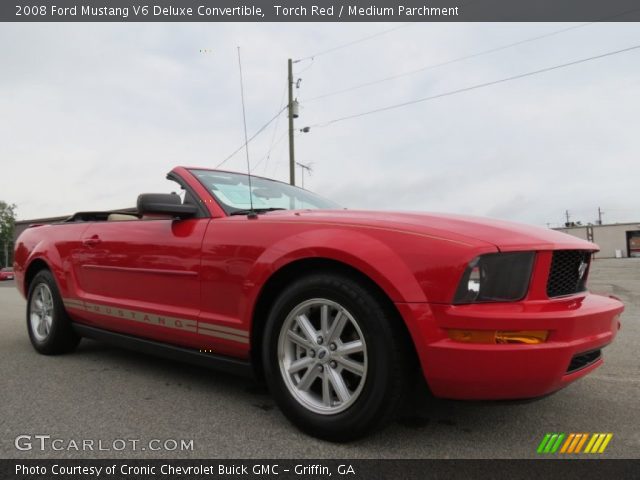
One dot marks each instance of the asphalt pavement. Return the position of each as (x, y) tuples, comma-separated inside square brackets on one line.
[(105, 394)]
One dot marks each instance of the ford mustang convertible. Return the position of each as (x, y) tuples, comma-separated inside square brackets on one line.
[(336, 310)]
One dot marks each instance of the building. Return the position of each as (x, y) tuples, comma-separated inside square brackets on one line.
[(617, 240)]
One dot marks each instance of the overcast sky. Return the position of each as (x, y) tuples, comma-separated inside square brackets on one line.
[(91, 115)]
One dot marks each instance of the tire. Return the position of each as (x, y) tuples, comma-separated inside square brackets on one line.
[(375, 371), (48, 324)]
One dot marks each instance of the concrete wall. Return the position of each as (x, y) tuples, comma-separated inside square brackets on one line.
[(608, 237), (580, 232)]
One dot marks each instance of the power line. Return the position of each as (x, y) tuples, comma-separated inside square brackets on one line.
[(267, 156), (275, 131), (448, 62), (467, 57), (313, 62), (353, 42), (473, 87), (277, 155), (250, 138)]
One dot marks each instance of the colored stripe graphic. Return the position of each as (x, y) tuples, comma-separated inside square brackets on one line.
[(598, 442), (583, 438), (157, 320), (557, 444), (607, 439), (577, 440), (572, 443), (567, 442), (550, 443), (543, 443), (547, 448)]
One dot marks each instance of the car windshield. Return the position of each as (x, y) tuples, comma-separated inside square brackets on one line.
[(232, 191)]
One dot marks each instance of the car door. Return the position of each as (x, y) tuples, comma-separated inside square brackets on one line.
[(142, 277)]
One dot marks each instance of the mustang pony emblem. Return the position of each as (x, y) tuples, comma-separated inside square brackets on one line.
[(582, 268)]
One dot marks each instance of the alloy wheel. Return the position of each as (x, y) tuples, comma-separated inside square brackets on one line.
[(322, 356), (41, 311)]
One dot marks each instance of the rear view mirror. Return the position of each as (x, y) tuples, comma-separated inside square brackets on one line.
[(165, 204), (267, 193)]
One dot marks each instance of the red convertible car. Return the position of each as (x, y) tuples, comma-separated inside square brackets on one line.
[(337, 310), (6, 273)]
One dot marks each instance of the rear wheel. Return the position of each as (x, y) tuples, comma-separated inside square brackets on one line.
[(335, 359), (48, 324)]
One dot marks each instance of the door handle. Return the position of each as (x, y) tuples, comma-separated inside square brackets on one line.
[(91, 241)]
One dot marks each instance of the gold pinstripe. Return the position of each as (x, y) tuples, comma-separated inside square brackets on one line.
[(232, 331), (227, 333), (72, 302), (227, 336)]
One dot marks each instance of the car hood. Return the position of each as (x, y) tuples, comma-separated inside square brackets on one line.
[(506, 236)]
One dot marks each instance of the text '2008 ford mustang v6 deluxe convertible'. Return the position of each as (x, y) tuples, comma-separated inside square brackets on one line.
[(335, 309)]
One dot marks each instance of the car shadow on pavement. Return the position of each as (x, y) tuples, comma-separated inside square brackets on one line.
[(422, 416), (180, 373)]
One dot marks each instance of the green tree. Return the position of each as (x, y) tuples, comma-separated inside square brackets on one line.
[(7, 225)]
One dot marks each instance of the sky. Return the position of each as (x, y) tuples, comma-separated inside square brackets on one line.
[(93, 114)]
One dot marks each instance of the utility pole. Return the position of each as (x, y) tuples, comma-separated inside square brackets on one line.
[(566, 214), (292, 156), (600, 213)]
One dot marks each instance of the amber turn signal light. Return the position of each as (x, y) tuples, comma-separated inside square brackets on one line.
[(529, 337)]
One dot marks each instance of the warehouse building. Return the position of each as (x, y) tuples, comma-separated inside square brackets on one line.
[(618, 240)]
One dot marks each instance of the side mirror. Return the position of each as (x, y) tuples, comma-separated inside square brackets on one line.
[(165, 204)]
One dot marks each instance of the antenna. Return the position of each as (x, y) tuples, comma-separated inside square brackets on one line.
[(304, 167), (252, 213)]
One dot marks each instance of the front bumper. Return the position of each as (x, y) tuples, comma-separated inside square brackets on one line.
[(469, 371)]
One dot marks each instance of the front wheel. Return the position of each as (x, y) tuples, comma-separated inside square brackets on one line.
[(335, 358), (48, 324)]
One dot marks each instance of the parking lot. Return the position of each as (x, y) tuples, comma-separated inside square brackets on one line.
[(105, 393)]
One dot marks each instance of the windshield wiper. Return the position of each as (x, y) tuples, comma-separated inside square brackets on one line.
[(255, 210)]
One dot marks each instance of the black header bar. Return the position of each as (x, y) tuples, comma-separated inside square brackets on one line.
[(319, 11)]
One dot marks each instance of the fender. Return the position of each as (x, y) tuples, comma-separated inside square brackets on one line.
[(48, 248), (373, 258)]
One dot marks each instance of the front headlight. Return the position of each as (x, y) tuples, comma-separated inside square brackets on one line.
[(496, 277)]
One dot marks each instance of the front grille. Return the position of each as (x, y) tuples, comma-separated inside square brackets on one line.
[(583, 360), (568, 273)]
